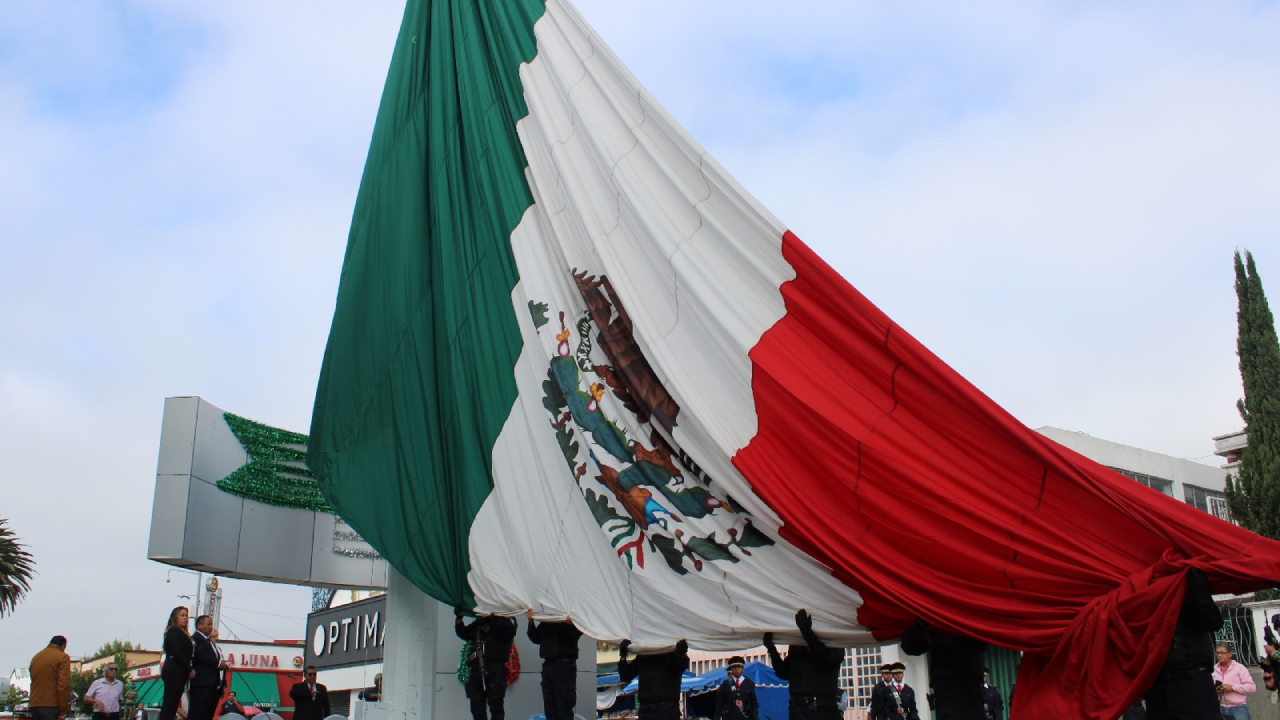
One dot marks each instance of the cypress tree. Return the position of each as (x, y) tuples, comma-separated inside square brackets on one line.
[(1254, 494)]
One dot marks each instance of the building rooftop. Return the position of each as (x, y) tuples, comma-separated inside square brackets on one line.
[(1231, 446)]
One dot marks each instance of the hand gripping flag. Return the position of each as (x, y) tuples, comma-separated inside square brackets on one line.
[(575, 367)]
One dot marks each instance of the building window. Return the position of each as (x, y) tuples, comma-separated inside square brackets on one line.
[(859, 673), (1210, 501), (1155, 483)]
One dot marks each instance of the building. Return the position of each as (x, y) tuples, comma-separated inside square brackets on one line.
[(133, 659), (261, 674), (1231, 447), (1194, 483), (20, 678), (701, 661)]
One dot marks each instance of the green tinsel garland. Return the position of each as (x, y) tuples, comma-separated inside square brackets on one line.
[(464, 670), (277, 473)]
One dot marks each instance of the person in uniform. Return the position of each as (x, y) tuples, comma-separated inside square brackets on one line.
[(736, 696), (875, 707), (899, 697), (490, 637), (1184, 688), (992, 703), (660, 676), (955, 670), (558, 647), (813, 672)]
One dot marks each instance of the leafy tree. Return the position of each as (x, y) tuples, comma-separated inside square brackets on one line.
[(13, 697), (1254, 494), (115, 646), (16, 569)]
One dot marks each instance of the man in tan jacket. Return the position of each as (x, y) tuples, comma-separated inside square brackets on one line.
[(51, 682)]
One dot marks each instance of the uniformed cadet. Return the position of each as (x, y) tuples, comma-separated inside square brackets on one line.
[(558, 647), (900, 697), (736, 696), (813, 672), (876, 707), (955, 670), (490, 638), (660, 675), (992, 704)]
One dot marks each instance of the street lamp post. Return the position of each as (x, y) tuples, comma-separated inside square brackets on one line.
[(199, 586)]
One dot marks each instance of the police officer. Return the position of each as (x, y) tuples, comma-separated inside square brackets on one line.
[(558, 647), (813, 670), (490, 637), (992, 703), (955, 670), (660, 675), (736, 696), (1184, 688)]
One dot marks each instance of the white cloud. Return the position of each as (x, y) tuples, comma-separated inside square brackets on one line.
[(1046, 194)]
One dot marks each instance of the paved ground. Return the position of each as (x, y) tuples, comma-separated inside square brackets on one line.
[(1260, 707)]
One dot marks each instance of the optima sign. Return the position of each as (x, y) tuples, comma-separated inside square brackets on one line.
[(350, 634)]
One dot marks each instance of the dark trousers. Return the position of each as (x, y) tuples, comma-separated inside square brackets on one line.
[(44, 713), (660, 711), (1186, 698), (106, 716), (559, 689), (958, 699), (488, 687), (808, 707), (174, 686), (202, 701)]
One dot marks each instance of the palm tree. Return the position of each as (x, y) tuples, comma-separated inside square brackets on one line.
[(16, 569)]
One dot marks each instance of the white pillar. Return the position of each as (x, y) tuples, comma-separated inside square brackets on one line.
[(409, 655)]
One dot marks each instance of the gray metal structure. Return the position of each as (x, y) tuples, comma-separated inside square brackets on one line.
[(196, 525)]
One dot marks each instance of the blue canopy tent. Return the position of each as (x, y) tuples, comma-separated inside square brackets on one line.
[(771, 691), (688, 684)]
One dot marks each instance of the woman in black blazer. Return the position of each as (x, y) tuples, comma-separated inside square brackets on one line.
[(177, 669)]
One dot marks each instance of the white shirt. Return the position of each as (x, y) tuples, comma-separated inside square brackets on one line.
[(108, 693)]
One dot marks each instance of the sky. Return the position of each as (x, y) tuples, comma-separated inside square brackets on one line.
[(1047, 194)]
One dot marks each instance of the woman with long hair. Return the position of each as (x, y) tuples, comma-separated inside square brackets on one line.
[(177, 669)]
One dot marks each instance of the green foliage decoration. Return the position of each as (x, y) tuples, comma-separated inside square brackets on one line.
[(276, 473), (464, 669), (1254, 494)]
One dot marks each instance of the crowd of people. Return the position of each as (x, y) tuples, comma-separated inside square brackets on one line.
[(194, 675), (1191, 685)]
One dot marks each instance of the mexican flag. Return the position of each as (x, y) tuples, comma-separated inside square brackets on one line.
[(575, 367)]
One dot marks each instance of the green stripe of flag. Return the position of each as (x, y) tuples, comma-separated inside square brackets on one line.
[(418, 378)]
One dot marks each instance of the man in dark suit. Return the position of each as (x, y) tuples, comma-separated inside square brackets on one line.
[(208, 664), (992, 703), (310, 698)]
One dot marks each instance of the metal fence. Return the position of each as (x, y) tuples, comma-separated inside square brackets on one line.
[(1237, 629)]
